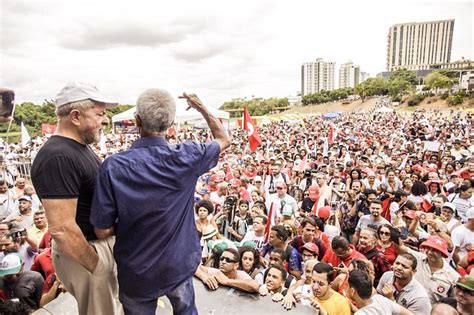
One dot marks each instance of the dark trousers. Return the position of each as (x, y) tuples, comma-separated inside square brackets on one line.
[(182, 299)]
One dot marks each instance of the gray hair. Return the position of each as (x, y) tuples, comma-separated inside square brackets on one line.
[(156, 109), (82, 106)]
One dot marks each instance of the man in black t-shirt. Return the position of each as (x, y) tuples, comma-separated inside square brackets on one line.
[(64, 174)]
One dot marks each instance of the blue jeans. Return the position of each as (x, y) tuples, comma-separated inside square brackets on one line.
[(181, 297)]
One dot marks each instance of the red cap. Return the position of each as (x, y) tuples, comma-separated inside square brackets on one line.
[(410, 214), (432, 170), (324, 212), (437, 243), (235, 183), (312, 248), (215, 178), (313, 192), (416, 168)]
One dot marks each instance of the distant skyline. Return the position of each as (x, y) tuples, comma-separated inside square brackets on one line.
[(219, 50)]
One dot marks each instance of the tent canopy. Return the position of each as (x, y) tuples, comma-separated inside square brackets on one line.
[(384, 109), (331, 115), (182, 114)]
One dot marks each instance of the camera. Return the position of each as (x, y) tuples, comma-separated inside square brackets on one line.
[(17, 235), (230, 202)]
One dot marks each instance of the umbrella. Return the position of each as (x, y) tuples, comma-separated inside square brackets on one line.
[(331, 115)]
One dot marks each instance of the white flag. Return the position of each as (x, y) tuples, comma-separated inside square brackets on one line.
[(25, 136), (325, 147)]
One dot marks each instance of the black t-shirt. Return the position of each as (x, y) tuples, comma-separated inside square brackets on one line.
[(63, 169), (307, 204), (28, 289)]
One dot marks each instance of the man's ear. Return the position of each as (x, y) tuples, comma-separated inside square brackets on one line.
[(74, 115), (138, 121)]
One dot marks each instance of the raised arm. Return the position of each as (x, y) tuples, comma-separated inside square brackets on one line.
[(217, 130)]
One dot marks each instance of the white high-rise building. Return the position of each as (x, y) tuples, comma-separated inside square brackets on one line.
[(317, 76), (364, 76), (417, 46), (349, 75)]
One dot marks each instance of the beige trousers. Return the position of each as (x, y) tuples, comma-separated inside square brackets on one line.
[(96, 293)]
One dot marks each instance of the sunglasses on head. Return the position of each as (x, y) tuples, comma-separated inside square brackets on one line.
[(227, 259)]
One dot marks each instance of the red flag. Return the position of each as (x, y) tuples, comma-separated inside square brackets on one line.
[(425, 205), (254, 138), (386, 209), (269, 224), (314, 209), (228, 174), (171, 132), (331, 133), (47, 129)]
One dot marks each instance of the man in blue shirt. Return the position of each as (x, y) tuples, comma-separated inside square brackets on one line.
[(145, 196)]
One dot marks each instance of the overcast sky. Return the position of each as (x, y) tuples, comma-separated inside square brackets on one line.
[(217, 49)]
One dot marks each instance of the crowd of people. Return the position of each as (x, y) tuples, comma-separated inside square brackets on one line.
[(366, 213)]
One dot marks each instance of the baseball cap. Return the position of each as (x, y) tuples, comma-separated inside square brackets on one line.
[(214, 178), (312, 248), (10, 265), (277, 162), (313, 191), (79, 91), (324, 212), (280, 185), (410, 214), (258, 179), (470, 213), (450, 206), (466, 283), (437, 243), (26, 197)]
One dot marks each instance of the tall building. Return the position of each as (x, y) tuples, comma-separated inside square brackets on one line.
[(317, 76), (417, 46), (349, 75), (364, 76)]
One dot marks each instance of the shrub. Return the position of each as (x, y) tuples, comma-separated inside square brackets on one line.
[(416, 99), (444, 96), (455, 99)]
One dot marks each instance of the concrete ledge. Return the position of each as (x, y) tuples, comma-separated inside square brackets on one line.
[(225, 301)]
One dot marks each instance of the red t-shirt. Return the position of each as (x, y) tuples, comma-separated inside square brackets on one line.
[(43, 263), (390, 253), (332, 259)]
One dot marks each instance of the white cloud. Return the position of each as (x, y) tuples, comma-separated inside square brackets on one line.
[(217, 49)]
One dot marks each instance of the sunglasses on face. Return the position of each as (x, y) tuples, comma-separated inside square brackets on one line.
[(384, 233), (227, 259)]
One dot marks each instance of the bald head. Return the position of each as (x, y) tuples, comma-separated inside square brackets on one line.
[(443, 309)]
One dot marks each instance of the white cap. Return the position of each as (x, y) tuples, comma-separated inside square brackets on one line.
[(470, 213), (258, 178), (449, 205), (78, 91)]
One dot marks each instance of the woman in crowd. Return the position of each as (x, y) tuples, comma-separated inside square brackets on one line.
[(354, 174), (203, 209), (347, 214), (407, 184), (385, 244), (249, 261)]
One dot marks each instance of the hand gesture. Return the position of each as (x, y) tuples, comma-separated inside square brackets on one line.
[(387, 290), (221, 278), (211, 283), (277, 297), (193, 102), (288, 301), (263, 290)]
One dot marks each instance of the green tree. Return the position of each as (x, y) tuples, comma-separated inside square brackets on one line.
[(404, 74), (436, 80)]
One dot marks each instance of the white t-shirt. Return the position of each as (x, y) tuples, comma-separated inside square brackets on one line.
[(250, 236), (380, 306), (461, 237)]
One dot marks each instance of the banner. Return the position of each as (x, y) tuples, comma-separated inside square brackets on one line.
[(47, 129)]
